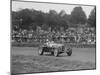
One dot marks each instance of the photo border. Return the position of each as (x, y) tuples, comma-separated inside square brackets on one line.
[(50, 3)]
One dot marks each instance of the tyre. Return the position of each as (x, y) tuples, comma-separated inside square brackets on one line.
[(40, 51), (69, 52), (56, 52)]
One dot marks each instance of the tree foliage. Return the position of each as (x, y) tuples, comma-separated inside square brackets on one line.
[(30, 18), (78, 16), (92, 18)]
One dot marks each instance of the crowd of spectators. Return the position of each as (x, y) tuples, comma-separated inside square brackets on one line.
[(71, 35)]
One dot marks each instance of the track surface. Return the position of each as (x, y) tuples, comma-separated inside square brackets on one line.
[(27, 60), (80, 54)]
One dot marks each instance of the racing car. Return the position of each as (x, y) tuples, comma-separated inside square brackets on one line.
[(54, 48)]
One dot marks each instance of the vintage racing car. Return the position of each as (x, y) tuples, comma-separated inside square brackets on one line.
[(54, 48)]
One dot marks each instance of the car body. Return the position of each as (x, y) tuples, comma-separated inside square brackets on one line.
[(54, 48)]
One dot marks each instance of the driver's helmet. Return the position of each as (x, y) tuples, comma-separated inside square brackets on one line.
[(47, 40)]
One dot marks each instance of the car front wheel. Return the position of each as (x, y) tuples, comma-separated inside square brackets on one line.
[(40, 51)]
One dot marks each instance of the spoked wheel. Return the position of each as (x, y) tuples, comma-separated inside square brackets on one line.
[(69, 52), (40, 51), (56, 52)]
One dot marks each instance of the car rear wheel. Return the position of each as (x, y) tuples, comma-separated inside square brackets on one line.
[(56, 52)]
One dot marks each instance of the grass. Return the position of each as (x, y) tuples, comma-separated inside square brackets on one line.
[(29, 64)]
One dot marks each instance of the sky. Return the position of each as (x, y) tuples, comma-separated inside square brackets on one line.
[(45, 7)]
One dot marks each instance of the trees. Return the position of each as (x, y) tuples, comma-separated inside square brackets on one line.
[(22, 18), (78, 16), (30, 19), (92, 18), (62, 13)]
